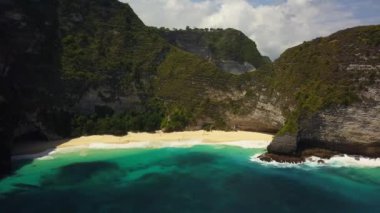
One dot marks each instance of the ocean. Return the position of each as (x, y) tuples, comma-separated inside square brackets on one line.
[(199, 178)]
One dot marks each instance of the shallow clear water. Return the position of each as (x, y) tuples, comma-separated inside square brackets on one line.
[(199, 179)]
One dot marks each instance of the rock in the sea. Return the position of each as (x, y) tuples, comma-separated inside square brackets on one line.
[(283, 145), (269, 157)]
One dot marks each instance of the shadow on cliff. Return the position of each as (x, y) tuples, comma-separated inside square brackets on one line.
[(23, 153)]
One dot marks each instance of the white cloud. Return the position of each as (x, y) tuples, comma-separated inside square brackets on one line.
[(274, 27)]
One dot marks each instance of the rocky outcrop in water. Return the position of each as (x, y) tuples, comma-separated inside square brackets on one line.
[(283, 145)]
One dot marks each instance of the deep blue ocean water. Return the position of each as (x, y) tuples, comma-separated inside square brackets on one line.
[(204, 178)]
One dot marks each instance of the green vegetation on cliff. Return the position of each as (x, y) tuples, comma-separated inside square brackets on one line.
[(324, 72), (105, 121), (107, 49), (106, 45), (216, 44), (99, 69)]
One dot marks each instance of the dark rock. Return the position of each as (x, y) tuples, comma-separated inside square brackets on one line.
[(317, 152), (6, 2), (269, 157), (6, 137), (5, 158), (283, 145), (300, 156)]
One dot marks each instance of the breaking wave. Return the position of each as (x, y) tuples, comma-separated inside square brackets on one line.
[(338, 161)]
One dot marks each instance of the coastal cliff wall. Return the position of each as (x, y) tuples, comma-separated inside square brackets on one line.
[(29, 69), (335, 84), (153, 79), (348, 129), (351, 129), (83, 67)]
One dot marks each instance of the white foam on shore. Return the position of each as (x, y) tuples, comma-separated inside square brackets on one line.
[(145, 144), (178, 144), (47, 155), (246, 144), (338, 161)]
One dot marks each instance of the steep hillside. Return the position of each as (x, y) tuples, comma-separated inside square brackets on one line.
[(79, 67), (229, 49), (120, 75), (29, 74), (109, 60), (332, 86)]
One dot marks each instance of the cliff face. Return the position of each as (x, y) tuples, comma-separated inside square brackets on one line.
[(350, 128), (115, 69), (29, 77), (336, 85), (245, 102), (347, 129), (92, 67)]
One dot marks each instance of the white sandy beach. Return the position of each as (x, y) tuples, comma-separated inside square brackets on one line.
[(209, 137), (160, 139), (152, 140)]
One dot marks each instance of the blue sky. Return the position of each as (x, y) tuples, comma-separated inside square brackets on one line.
[(366, 10), (274, 25)]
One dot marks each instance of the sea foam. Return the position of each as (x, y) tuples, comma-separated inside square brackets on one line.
[(338, 161), (178, 144), (48, 155)]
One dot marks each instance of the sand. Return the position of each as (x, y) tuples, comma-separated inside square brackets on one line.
[(151, 140), (206, 137)]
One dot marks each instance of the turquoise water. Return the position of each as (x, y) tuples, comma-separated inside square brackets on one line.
[(198, 179)]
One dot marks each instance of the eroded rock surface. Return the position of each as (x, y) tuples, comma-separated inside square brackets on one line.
[(350, 129), (285, 145)]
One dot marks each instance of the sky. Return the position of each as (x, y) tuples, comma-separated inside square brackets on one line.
[(274, 25)]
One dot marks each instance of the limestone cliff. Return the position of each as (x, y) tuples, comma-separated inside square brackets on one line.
[(334, 85), (347, 129)]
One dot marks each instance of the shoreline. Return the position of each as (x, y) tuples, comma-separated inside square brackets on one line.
[(43, 150), (146, 140)]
